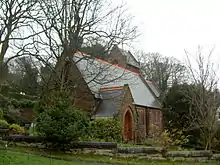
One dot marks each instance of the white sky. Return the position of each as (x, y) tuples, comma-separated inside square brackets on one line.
[(170, 26)]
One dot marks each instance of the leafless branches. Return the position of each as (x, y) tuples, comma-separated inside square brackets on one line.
[(164, 71), (16, 27), (203, 96), (70, 23), (51, 31)]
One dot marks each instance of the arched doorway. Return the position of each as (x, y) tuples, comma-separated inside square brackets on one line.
[(128, 126)]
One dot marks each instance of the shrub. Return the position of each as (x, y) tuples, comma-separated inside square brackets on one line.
[(61, 125), (1, 113), (23, 103), (17, 129), (106, 129), (4, 89), (168, 138), (3, 124), (14, 116), (19, 96)]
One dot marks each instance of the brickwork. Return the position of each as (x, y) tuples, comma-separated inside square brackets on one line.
[(155, 119), (83, 98), (142, 117), (127, 104), (116, 57), (146, 119), (132, 68), (142, 123)]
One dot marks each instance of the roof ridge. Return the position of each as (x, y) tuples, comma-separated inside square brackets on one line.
[(103, 61), (111, 88), (152, 82), (83, 53), (140, 90), (117, 66)]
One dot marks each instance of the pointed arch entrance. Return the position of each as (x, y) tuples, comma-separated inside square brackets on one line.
[(128, 136)]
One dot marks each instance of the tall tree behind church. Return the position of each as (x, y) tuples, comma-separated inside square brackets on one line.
[(24, 76), (164, 71)]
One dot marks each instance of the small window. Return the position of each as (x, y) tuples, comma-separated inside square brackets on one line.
[(141, 117), (157, 117)]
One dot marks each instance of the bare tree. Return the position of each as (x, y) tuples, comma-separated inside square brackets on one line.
[(15, 29), (203, 96), (164, 71), (70, 24)]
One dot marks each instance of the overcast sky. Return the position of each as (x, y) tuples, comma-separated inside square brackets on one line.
[(170, 26)]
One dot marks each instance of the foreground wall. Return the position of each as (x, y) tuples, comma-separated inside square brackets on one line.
[(150, 122)]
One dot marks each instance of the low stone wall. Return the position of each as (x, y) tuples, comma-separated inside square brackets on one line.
[(146, 153), (152, 153), (187, 154), (147, 150)]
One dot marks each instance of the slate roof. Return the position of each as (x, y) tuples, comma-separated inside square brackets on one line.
[(109, 102), (101, 74), (130, 58), (153, 88)]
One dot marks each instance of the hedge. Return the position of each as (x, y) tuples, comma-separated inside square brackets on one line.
[(19, 96), (17, 128), (5, 102), (106, 129), (3, 124)]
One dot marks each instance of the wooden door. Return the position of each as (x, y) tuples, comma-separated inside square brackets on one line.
[(128, 126)]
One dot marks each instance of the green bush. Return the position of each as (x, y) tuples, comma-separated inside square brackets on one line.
[(4, 89), (1, 113), (106, 129), (167, 138), (60, 125), (23, 103), (3, 124), (19, 96), (4, 101), (17, 128)]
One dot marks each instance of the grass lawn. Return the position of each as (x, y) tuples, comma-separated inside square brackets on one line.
[(8, 158), (21, 159)]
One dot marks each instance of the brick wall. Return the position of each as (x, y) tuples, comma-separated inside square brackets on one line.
[(132, 68), (82, 96), (142, 123), (155, 119), (127, 104), (116, 57)]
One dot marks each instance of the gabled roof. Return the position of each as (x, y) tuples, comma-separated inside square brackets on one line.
[(130, 58), (110, 99), (101, 74), (153, 88)]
